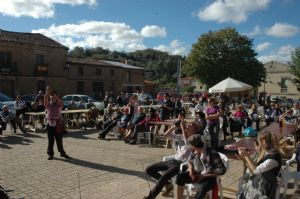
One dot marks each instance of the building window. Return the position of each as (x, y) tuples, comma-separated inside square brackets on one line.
[(80, 87), (40, 59), (284, 85), (5, 60), (80, 71), (127, 75), (112, 72), (97, 90), (98, 71)]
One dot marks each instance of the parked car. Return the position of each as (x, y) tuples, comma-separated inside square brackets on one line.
[(282, 101), (29, 98), (5, 100), (77, 98)]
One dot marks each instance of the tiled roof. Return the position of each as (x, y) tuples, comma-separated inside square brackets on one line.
[(102, 63), (87, 61), (126, 66), (35, 39)]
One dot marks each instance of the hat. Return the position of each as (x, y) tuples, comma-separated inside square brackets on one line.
[(196, 141)]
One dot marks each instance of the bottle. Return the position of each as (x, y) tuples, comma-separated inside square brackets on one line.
[(280, 123)]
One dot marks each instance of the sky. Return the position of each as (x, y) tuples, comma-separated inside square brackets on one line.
[(172, 26)]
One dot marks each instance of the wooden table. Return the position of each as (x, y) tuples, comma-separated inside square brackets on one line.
[(157, 126), (34, 116), (284, 131)]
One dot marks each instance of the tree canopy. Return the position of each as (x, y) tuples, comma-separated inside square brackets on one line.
[(295, 67), (221, 54)]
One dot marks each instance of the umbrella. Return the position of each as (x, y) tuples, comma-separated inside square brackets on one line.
[(229, 85)]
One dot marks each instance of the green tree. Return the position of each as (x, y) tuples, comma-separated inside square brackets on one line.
[(221, 54), (295, 67), (77, 52), (160, 65)]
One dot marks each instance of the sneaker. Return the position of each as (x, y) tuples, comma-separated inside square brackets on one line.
[(101, 138), (132, 142), (65, 156), (50, 158)]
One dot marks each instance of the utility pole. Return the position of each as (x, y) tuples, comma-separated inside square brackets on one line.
[(178, 76)]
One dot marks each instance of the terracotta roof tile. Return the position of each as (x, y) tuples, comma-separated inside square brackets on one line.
[(36, 39)]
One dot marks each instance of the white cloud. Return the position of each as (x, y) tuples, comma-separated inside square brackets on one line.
[(282, 30), (263, 46), (87, 34), (37, 8), (256, 31), (175, 48), (154, 31), (282, 54), (236, 11)]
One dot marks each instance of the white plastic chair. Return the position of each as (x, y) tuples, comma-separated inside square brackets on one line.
[(206, 138), (286, 176), (147, 136), (192, 186), (221, 122)]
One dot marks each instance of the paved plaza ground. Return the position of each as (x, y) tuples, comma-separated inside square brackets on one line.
[(98, 169)]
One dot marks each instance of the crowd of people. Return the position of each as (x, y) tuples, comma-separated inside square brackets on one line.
[(204, 163)]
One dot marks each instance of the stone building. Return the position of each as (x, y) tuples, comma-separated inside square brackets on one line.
[(278, 81), (92, 77), (31, 61)]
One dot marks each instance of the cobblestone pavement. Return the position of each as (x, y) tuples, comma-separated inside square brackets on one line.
[(98, 169)]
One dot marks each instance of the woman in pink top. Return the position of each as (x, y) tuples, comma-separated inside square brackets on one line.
[(238, 119), (54, 105), (212, 115)]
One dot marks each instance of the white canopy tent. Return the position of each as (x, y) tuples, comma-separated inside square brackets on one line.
[(229, 85)]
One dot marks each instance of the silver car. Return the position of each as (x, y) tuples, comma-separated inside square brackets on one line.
[(5, 100), (77, 98)]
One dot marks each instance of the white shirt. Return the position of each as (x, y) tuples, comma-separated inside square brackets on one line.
[(267, 165), (296, 112), (18, 105), (183, 152)]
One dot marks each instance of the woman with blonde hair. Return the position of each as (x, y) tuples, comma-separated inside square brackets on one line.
[(263, 182)]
